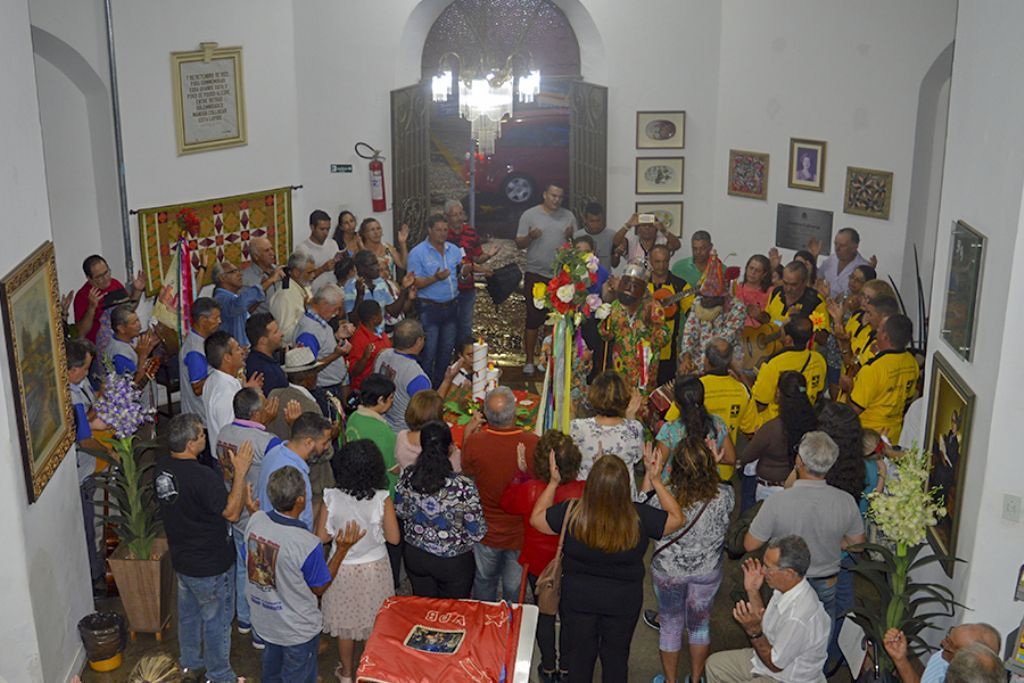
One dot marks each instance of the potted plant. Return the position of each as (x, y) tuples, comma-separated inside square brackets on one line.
[(141, 564), (903, 513)]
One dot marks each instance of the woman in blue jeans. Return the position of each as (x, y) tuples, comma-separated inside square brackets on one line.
[(686, 567)]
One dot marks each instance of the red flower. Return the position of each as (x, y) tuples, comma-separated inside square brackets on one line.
[(593, 278)]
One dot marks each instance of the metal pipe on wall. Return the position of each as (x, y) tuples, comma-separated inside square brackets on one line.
[(122, 190)]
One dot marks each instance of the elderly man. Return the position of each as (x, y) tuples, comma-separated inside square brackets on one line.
[(437, 265), (193, 368), (100, 291), (263, 271), (542, 230), (648, 235), (311, 437), (235, 299), (288, 575), (840, 264), (976, 664), (463, 235), (226, 359), (664, 284), (289, 303), (635, 328), (827, 518), (793, 297), (691, 268), (399, 364), (957, 639), (788, 639), (319, 247), (489, 456), (328, 346), (123, 356)]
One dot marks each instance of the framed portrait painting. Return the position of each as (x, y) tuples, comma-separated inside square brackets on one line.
[(660, 129), (807, 164), (748, 174), (966, 263), (659, 175), (947, 436), (39, 374), (670, 214), (209, 102), (868, 192)]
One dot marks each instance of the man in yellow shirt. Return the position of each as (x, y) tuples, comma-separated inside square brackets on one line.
[(794, 297), (887, 383), (876, 311), (796, 356)]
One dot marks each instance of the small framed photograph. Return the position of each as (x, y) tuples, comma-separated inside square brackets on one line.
[(966, 263), (669, 214), (807, 164), (434, 640), (868, 192), (660, 129), (748, 174), (659, 175)]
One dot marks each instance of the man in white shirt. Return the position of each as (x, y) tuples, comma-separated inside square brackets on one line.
[(288, 304), (789, 639), (323, 250), (226, 359), (839, 265)]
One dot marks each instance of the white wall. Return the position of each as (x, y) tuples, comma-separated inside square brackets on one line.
[(44, 572), (982, 185), (846, 73), (146, 32)]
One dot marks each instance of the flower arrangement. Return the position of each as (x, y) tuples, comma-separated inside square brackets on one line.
[(135, 521), (566, 293), (903, 513), (188, 221)]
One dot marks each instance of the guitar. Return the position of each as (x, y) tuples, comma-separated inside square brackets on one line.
[(668, 300), (760, 343)]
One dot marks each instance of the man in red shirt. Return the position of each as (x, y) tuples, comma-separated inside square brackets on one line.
[(490, 457), (100, 292), (368, 341), (464, 235)]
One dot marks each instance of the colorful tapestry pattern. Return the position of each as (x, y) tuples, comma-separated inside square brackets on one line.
[(226, 225)]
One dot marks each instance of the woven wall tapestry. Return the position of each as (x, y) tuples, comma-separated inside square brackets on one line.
[(225, 227)]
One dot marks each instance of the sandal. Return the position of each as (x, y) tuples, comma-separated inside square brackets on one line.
[(340, 675)]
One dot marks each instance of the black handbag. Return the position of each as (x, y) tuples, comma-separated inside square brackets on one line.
[(502, 282)]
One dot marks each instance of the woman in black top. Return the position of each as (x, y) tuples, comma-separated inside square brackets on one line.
[(603, 560)]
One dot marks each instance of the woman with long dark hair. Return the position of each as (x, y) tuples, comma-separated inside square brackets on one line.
[(603, 559), (442, 518), (695, 424), (755, 288), (390, 259), (364, 581), (775, 444), (345, 234), (841, 422)]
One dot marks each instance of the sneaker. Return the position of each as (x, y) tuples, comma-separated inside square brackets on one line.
[(547, 676), (660, 678), (529, 369), (258, 642), (651, 619), (244, 627)]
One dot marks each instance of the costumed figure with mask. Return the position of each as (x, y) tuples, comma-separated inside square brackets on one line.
[(715, 313), (635, 329)]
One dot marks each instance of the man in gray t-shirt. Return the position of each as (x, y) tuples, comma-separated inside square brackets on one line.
[(542, 230)]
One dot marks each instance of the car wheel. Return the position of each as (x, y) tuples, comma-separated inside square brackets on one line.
[(518, 189)]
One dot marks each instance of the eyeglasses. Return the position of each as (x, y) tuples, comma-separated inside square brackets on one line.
[(100, 276)]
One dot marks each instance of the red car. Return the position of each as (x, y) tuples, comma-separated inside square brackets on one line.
[(532, 152)]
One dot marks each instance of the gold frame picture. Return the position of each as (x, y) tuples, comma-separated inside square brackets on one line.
[(209, 98), (661, 130), (660, 175), (748, 174), (811, 176), (30, 299), (868, 192)]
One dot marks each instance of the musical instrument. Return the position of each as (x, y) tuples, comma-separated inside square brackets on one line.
[(760, 343), (668, 300)]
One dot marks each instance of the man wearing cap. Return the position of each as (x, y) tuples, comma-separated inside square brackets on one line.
[(635, 328), (715, 314)]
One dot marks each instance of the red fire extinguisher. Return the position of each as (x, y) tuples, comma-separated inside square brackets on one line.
[(378, 195)]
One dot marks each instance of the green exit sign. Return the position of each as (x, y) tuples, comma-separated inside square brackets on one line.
[(341, 168)]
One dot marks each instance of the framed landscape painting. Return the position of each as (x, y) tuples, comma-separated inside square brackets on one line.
[(748, 174), (659, 175), (868, 192), (947, 436), (660, 129), (807, 164), (39, 373), (670, 214)]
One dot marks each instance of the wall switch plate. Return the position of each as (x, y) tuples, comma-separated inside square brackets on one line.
[(1011, 507)]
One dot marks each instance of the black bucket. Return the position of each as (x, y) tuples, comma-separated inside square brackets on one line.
[(104, 635)]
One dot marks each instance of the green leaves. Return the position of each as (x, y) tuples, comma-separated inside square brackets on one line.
[(133, 509)]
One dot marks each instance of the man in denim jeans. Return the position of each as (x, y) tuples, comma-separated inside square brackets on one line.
[(490, 456), (827, 518), (197, 511)]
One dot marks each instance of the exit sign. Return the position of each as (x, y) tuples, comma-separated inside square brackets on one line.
[(341, 168)]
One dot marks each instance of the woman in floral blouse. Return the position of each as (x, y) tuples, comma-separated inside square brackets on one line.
[(442, 519)]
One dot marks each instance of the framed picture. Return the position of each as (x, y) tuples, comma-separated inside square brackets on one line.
[(748, 174), (950, 411), (966, 263), (669, 213), (659, 175), (209, 104), (39, 372), (795, 225), (807, 164), (868, 192), (660, 129)]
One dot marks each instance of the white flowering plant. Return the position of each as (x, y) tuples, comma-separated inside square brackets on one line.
[(903, 513)]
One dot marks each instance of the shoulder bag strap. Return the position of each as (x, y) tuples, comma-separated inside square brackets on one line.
[(565, 525), (684, 531)]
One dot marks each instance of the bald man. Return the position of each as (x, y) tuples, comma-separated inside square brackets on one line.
[(958, 638), (262, 271)]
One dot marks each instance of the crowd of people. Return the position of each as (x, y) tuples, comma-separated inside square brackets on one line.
[(310, 467)]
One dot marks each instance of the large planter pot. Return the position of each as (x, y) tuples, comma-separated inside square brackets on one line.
[(146, 588)]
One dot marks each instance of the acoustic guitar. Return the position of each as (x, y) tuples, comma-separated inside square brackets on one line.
[(668, 300), (760, 343)]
